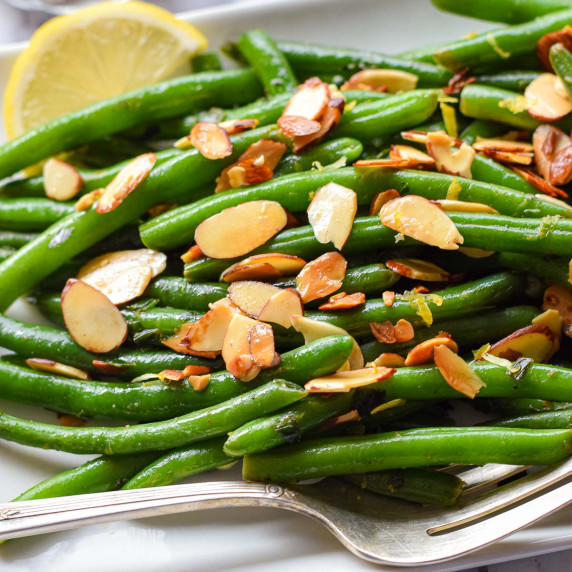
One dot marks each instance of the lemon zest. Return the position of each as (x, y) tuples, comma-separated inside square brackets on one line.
[(494, 45)]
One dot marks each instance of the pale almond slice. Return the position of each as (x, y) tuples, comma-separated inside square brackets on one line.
[(464, 207), (310, 101), (421, 137), (343, 301), (411, 154), (194, 253), (199, 382), (331, 214), (243, 368), (331, 118), (546, 103), (62, 182), (509, 157), (50, 366), (560, 298), (550, 318), (388, 359), (423, 353), (540, 183), (322, 276), (418, 218), (236, 348), (264, 267), (344, 381), (295, 126), (235, 126), (262, 349), (208, 334), (448, 161), (418, 269), (280, 308), (154, 259), (388, 297), (125, 182), (536, 341), (380, 199), (211, 140), (457, 372), (561, 167), (313, 330), (475, 252), (251, 296), (85, 202), (92, 320), (393, 81), (484, 145), (404, 331), (178, 343), (236, 231)]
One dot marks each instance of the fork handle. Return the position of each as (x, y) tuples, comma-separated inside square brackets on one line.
[(28, 518)]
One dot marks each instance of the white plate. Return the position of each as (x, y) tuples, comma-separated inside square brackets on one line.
[(246, 540)]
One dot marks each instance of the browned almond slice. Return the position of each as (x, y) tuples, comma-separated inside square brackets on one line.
[(457, 372), (322, 276), (464, 207), (386, 163), (236, 231), (346, 380), (331, 118), (108, 368), (352, 415), (412, 155), (418, 218), (262, 345), (546, 103), (234, 126), (62, 182), (243, 367), (178, 343), (547, 140), (448, 161), (199, 382), (388, 297), (264, 267), (543, 45), (50, 366), (552, 319), (92, 320), (310, 101), (251, 296), (540, 183), (475, 252), (423, 353), (125, 182), (313, 330), (418, 269), (404, 331), (483, 144), (509, 157), (422, 136), (392, 80), (88, 199), (383, 332), (388, 359), (459, 81), (280, 308), (343, 301), (561, 167), (380, 199), (331, 214), (208, 334), (236, 348), (536, 341), (194, 253), (560, 298), (295, 126), (211, 140)]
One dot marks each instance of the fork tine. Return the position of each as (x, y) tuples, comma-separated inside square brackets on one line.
[(477, 478)]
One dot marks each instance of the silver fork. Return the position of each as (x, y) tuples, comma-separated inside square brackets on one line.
[(380, 529)]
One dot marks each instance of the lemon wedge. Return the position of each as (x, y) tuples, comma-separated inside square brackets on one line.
[(95, 53)]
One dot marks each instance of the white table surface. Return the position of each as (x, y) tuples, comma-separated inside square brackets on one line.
[(17, 26)]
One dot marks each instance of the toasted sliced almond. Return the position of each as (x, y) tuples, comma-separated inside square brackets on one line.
[(504, 145), (509, 157), (199, 382), (457, 372), (387, 359), (211, 140), (194, 253), (236, 231), (380, 199), (262, 349), (537, 342), (264, 267), (540, 183), (475, 252), (464, 207), (62, 182), (251, 296), (418, 269), (404, 331), (88, 199), (547, 104), (383, 332), (108, 368), (313, 330), (422, 136), (344, 381), (560, 298), (243, 367), (459, 81), (448, 161), (418, 218), (331, 118), (388, 297), (295, 126), (391, 80), (280, 308), (388, 164), (343, 301), (423, 353), (208, 334), (322, 276), (331, 214), (91, 319), (125, 182), (543, 45), (550, 318), (408, 153), (234, 126), (178, 343), (50, 366), (154, 259), (561, 167), (236, 348), (310, 101)]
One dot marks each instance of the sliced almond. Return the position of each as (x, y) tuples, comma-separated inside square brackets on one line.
[(199, 382), (389, 80), (422, 137), (560, 298), (125, 182), (380, 199), (464, 207), (269, 266), (457, 372), (251, 296), (343, 301), (418, 269), (387, 359), (211, 140), (178, 343), (543, 45), (331, 118), (208, 334), (459, 81), (50, 366), (561, 167), (423, 353), (87, 200), (321, 277), (235, 126), (418, 218), (280, 308), (550, 318), (194, 253), (92, 320), (295, 126), (66, 420), (310, 101), (475, 252), (331, 214), (344, 381), (62, 182), (236, 348), (540, 183), (404, 331), (262, 349), (383, 332), (448, 161), (412, 155), (388, 297), (509, 157), (484, 145), (536, 341), (236, 231), (242, 367), (388, 164), (547, 104)]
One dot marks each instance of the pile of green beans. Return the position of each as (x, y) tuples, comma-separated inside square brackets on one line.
[(385, 437)]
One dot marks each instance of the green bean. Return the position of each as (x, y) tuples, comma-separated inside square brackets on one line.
[(167, 99), (511, 80), (507, 11), (176, 465), (561, 60), (408, 449), (106, 152), (267, 61), (286, 426), (523, 406), (208, 61), (159, 435), (154, 400), (312, 59), (380, 421), (481, 128), (178, 293), (416, 485), (501, 44), (557, 270), (168, 182), (561, 419), (422, 53), (6, 252), (15, 239), (31, 214)]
